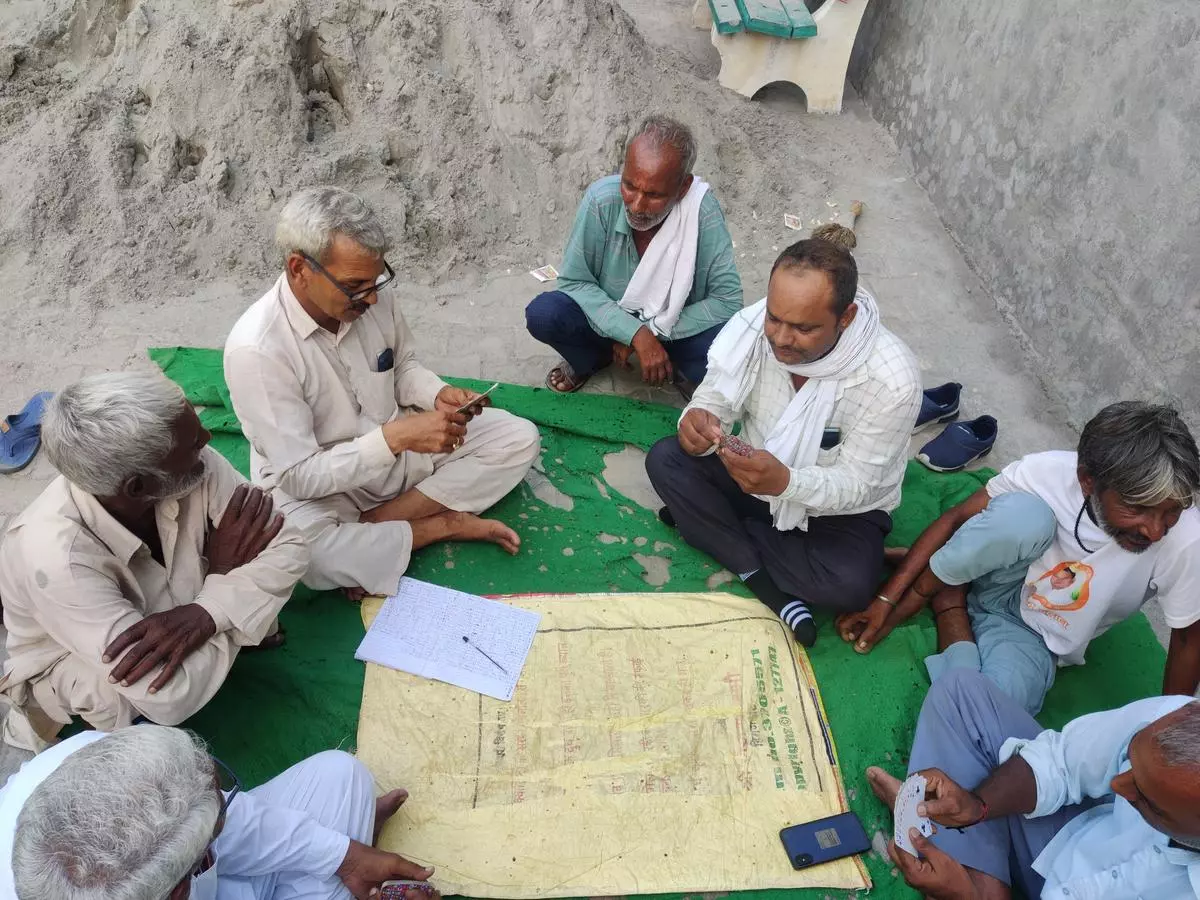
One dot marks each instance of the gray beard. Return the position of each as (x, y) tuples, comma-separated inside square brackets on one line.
[(640, 224), (179, 488)]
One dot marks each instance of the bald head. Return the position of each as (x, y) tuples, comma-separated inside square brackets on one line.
[(1163, 782)]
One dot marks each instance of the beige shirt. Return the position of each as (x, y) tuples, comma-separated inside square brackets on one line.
[(72, 578), (312, 403)]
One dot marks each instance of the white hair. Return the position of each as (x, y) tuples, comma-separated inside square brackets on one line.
[(124, 818), (312, 218), (1180, 740), (105, 428), (662, 132)]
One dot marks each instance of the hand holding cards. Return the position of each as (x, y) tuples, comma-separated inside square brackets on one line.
[(911, 793), (475, 405), (735, 445)]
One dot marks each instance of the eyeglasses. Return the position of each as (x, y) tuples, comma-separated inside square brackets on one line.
[(230, 786), (354, 296)]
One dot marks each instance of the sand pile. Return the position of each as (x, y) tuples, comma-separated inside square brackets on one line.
[(144, 143)]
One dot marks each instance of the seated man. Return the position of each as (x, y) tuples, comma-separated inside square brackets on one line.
[(146, 812), (368, 452), (1054, 551), (1106, 809), (149, 554), (827, 397), (648, 269)]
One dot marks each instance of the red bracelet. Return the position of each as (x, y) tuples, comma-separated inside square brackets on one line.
[(983, 815)]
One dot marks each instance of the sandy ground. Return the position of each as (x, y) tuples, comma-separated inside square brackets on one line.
[(468, 317)]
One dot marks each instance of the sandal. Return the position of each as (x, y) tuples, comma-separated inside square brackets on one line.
[(566, 375)]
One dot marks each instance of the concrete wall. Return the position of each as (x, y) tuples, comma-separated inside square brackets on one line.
[(1060, 142)]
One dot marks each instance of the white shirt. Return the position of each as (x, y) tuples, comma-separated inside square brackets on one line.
[(258, 839), (1108, 852), (874, 413), (312, 403), (1072, 595)]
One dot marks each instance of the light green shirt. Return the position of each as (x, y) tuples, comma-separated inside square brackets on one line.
[(600, 259)]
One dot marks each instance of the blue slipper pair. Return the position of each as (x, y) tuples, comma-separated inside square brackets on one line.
[(960, 443), (21, 434)]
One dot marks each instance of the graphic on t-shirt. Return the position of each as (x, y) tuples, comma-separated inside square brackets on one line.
[(1066, 587)]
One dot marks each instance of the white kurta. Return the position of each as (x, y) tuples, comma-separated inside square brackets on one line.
[(312, 404), (285, 839)]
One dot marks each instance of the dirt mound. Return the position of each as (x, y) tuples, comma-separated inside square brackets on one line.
[(147, 142)]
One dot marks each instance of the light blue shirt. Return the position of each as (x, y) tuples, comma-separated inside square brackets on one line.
[(1109, 851)]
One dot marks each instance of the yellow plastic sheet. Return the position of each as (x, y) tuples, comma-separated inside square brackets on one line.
[(656, 743)]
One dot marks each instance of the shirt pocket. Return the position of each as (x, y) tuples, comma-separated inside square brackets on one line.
[(829, 457), (378, 396)]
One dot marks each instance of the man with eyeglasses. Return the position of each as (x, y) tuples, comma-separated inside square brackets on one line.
[(371, 454), (145, 812)]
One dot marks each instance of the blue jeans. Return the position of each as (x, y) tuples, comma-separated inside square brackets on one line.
[(555, 319), (993, 551), (964, 722)]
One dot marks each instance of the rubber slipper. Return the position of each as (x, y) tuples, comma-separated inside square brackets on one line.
[(21, 434), (567, 374)]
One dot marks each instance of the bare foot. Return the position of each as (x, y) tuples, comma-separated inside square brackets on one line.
[(355, 594), (893, 556), (385, 808), (885, 786), (468, 527)]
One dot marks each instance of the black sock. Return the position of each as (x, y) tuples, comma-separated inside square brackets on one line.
[(794, 612)]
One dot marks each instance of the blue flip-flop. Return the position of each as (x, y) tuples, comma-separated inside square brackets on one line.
[(21, 434)]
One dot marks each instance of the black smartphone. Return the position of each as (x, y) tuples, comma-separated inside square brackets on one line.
[(825, 840)]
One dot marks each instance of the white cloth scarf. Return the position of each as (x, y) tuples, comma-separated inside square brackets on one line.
[(735, 364), (663, 279)]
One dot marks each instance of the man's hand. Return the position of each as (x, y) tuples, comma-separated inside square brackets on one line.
[(759, 473), (247, 527), (867, 628), (656, 365), (451, 399), (947, 802), (935, 874), (621, 354), (365, 868), (699, 431), (165, 638), (437, 431)]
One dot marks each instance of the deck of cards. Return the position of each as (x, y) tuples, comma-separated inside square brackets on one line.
[(545, 273), (911, 793), (735, 445)]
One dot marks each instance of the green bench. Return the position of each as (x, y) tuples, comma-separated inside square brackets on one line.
[(778, 18), (765, 41)]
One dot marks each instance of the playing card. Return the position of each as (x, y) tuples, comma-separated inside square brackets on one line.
[(466, 406), (736, 445), (545, 273), (905, 815), (793, 222)]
